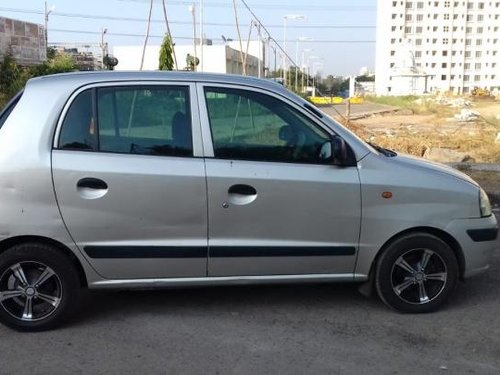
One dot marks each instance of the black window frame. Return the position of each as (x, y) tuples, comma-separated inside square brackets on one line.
[(329, 132), (9, 108), (95, 113)]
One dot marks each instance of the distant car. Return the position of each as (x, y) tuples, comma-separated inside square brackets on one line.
[(133, 180)]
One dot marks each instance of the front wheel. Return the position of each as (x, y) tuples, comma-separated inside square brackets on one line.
[(39, 287), (416, 273)]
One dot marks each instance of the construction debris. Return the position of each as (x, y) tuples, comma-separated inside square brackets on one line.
[(466, 115), (447, 155)]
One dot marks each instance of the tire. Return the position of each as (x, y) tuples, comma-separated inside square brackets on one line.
[(417, 273), (39, 287)]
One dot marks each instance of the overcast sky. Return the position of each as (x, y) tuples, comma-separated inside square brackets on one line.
[(340, 58)]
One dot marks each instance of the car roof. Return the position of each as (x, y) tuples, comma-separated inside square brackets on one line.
[(83, 78)]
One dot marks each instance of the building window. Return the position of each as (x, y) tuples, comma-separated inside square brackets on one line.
[(420, 5), (393, 28), (452, 76), (470, 17), (408, 30), (453, 65), (443, 77), (418, 30), (446, 16), (478, 53), (394, 3), (466, 78), (435, 28), (433, 65), (418, 54), (446, 29), (420, 17), (468, 42), (418, 42), (435, 17), (477, 66), (434, 41), (480, 6), (408, 17), (409, 5), (467, 66), (393, 53), (465, 89), (445, 41), (470, 5), (480, 17), (455, 16), (477, 78), (479, 42), (444, 65), (393, 41), (434, 53), (455, 4), (446, 4), (468, 29), (467, 54), (445, 53), (394, 15), (436, 3), (455, 28), (454, 41), (453, 53), (392, 65)]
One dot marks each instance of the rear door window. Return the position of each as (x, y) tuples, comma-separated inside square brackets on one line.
[(145, 120)]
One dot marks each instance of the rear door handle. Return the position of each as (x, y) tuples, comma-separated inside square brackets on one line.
[(92, 183), (241, 195), (91, 188)]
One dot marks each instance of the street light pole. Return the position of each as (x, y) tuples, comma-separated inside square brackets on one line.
[(201, 35), (302, 66), (296, 17), (192, 10), (299, 39)]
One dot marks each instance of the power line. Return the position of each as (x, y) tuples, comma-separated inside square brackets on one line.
[(310, 7), (191, 38), (134, 19)]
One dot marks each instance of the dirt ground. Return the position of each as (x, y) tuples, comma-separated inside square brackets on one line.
[(411, 133)]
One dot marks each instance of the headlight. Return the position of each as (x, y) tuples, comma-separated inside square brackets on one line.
[(484, 204)]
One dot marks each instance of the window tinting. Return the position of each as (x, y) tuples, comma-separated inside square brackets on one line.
[(79, 130), (148, 120), (248, 125)]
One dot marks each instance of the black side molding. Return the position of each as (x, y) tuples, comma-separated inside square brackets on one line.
[(483, 235)]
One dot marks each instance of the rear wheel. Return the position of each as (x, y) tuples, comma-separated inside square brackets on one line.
[(39, 287), (416, 273)]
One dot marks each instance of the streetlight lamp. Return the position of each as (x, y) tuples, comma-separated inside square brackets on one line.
[(296, 17), (47, 12), (299, 39)]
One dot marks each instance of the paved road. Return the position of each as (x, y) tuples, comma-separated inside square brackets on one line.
[(305, 329), (356, 109)]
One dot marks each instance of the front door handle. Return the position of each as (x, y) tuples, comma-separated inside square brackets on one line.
[(91, 188), (242, 190), (240, 195)]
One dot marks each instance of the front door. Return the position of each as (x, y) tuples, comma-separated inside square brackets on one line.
[(130, 190), (277, 205)]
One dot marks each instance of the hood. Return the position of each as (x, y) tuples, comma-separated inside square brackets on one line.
[(419, 163)]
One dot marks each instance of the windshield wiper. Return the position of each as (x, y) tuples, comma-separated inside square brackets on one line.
[(383, 151)]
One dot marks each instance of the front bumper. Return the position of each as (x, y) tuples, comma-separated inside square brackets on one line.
[(477, 254)]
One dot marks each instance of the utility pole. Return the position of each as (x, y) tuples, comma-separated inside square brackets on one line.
[(104, 46), (192, 10), (201, 35), (47, 12)]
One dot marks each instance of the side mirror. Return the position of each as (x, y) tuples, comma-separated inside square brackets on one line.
[(337, 152)]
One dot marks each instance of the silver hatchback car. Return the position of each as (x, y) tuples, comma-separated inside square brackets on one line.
[(138, 180)]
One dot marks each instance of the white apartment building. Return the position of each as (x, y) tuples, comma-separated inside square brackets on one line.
[(437, 46)]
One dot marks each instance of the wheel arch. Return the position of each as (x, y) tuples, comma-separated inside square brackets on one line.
[(441, 234), (13, 241)]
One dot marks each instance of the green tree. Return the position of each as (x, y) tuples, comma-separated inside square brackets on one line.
[(166, 54)]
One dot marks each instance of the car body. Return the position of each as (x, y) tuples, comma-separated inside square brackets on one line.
[(155, 179)]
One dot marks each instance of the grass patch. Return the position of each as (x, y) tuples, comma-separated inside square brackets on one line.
[(419, 106)]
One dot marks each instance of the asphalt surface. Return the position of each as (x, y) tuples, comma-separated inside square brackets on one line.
[(294, 329), (356, 109)]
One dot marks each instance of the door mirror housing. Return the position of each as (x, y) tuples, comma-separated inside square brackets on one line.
[(338, 152)]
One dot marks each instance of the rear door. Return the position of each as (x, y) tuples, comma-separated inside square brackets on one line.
[(277, 206), (129, 183)]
